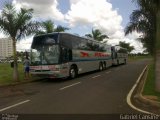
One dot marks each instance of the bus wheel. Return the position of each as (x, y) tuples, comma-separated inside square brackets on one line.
[(117, 62), (125, 62), (104, 66), (100, 66), (73, 72)]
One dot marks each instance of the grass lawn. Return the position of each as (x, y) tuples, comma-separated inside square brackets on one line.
[(134, 58), (149, 88), (6, 73)]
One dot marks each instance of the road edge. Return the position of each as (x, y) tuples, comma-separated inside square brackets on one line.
[(135, 95)]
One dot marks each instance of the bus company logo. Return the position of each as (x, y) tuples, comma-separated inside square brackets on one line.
[(98, 54), (84, 54)]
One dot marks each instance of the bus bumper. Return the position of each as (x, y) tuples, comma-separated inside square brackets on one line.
[(51, 74)]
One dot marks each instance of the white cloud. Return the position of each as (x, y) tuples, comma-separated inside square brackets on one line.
[(101, 15), (21, 45), (98, 13), (134, 35), (73, 1), (2, 35), (131, 38), (42, 8), (82, 14), (24, 44)]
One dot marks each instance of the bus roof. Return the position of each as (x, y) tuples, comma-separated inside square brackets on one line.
[(53, 33)]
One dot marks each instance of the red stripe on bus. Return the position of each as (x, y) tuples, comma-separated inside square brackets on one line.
[(84, 54)]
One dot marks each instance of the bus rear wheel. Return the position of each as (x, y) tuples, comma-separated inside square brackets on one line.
[(100, 66), (117, 62), (125, 62), (104, 66), (73, 72)]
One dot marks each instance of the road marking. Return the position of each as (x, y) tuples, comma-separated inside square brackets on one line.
[(69, 86), (131, 92), (108, 72), (20, 103), (96, 76)]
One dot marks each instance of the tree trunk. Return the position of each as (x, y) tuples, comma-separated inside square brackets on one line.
[(15, 68), (157, 52)]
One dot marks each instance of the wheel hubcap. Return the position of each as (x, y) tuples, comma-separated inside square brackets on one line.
[(72, 73), (101, 67)]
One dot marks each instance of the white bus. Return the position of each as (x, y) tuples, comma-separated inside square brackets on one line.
[(60, 55), (119, 55)]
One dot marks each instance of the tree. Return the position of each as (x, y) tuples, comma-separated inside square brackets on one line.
[(143, 20), (48, 27), (16, 24), (97, 35), (148, 22), (60, 29), (127, 46), (21, 55), (157, 52)]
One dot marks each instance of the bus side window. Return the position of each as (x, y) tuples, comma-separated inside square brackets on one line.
[(70, 54), (66, 54)]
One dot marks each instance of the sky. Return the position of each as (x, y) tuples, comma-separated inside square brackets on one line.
[(81, 16)]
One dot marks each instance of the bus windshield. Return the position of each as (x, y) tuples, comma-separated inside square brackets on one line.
[(45, 55), (45, 50)]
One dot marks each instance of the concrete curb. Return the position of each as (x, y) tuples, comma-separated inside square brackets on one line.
[(143, 102)]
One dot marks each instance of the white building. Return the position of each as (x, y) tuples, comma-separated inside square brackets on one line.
[(6, 48)]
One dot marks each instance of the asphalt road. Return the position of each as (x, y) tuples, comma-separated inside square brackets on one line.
[(92, 93)]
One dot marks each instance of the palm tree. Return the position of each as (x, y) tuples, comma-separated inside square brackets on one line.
[(16, 24), (144, 21), (129, 48), (48, 27), (147, 21), (157, 53), (97, 35), (60, 28)]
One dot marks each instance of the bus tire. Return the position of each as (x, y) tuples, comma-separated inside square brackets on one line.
[(100, 66), (117, 62), (73, 72), (104, 66), (125, 62)]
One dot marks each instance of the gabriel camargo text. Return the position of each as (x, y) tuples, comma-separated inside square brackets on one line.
[(139, 117)]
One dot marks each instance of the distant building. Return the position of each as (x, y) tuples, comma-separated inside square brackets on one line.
[(6, 48)]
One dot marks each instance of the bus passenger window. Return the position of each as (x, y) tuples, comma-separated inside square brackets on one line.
[(70, 54), (66, 54)]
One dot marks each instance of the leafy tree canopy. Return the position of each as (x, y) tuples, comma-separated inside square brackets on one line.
[(97, 35), (127, 46)]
